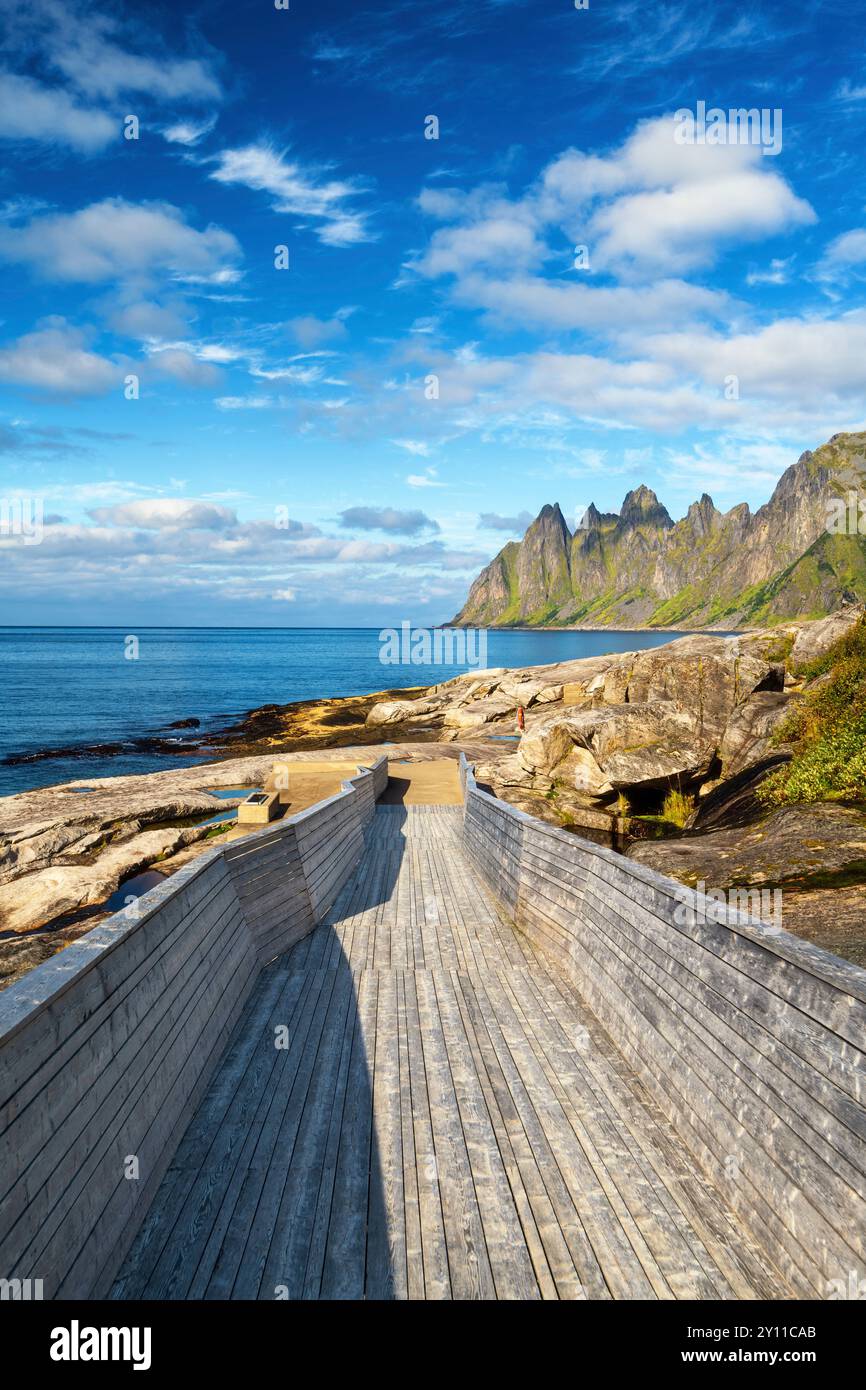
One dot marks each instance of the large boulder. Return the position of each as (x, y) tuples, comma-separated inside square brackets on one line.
[(402, 711), (658, 764), (748, 736), (479, 712), (815, 639), (707, 676), (582, 771), (543, 747), (627, 745), (484, 680), (525, 691)]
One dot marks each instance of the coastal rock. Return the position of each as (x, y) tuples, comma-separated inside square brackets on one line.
[(808, 844), (528, 692), (748, 735), (29, 842), (507, 772), (813, 640), (39, 897), (401, 711), (707, 676), (543, 747), (606, 747), (480, 712), (583, 772), (733, 800), (659, 764)]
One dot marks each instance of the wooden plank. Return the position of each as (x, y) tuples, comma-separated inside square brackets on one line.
[(471, 1274), (387, 1273), (343, 1270), (437, 1279)]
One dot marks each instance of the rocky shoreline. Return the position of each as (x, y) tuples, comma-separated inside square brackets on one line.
[(605, 741)]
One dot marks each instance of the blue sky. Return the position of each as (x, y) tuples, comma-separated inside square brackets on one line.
[(284, 462)]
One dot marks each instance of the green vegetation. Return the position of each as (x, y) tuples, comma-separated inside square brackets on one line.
[(677, 807), (827, 728)]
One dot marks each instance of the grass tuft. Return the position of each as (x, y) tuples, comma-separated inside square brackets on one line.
[(827, 729), (677, 807)]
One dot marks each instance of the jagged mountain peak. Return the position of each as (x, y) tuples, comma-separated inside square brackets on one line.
[(712, 569), (641, 507), (550, 518), (702, 515)]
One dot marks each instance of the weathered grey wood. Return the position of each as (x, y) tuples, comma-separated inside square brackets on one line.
[(436, 1130), (462, 1110), (106, 1051), (750, 1040)]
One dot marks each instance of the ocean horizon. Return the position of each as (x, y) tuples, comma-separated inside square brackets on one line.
[(70, 688)]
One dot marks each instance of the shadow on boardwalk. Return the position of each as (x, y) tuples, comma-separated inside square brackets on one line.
[(276, 1190), (447, 1119)]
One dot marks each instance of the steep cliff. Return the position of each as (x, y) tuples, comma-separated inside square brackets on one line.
[(638, 568)]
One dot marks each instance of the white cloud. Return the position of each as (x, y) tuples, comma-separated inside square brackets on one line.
[(651, 206), (426, 479), (533, 301), (55, 358), (311, 332), (796, 359), (296, 190), (844, 254), (90, 61), (30, 111), (188, 132), (101, 69), (418, 447), (118, 240), (848, 92), (166, 513), (720, 468), (501, 237), (775, 274), (145, 319), (93, 51), (655, 203), (244, 402), (184, 367), (302, 376)]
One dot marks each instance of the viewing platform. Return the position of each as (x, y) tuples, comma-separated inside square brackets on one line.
[(412, 1043)]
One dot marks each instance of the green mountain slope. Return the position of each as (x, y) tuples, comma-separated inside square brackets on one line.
[(638, 568)]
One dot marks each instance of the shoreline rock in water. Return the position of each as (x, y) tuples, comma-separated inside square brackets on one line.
[(605, 739)]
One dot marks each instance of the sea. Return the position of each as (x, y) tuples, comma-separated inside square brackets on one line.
[(76, 687)]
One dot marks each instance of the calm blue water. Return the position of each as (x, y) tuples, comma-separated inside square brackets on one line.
[(64, 687)]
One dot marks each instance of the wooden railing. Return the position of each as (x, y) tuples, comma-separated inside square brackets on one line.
[(106, 1049), (750, 1040)]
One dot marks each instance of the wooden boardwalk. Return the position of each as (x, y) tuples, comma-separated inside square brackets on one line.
[(446, 1119)]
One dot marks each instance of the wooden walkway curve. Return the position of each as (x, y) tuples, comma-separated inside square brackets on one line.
[(445, 1119)]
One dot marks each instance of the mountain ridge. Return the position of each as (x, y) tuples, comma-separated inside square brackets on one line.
[(637, 568)]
